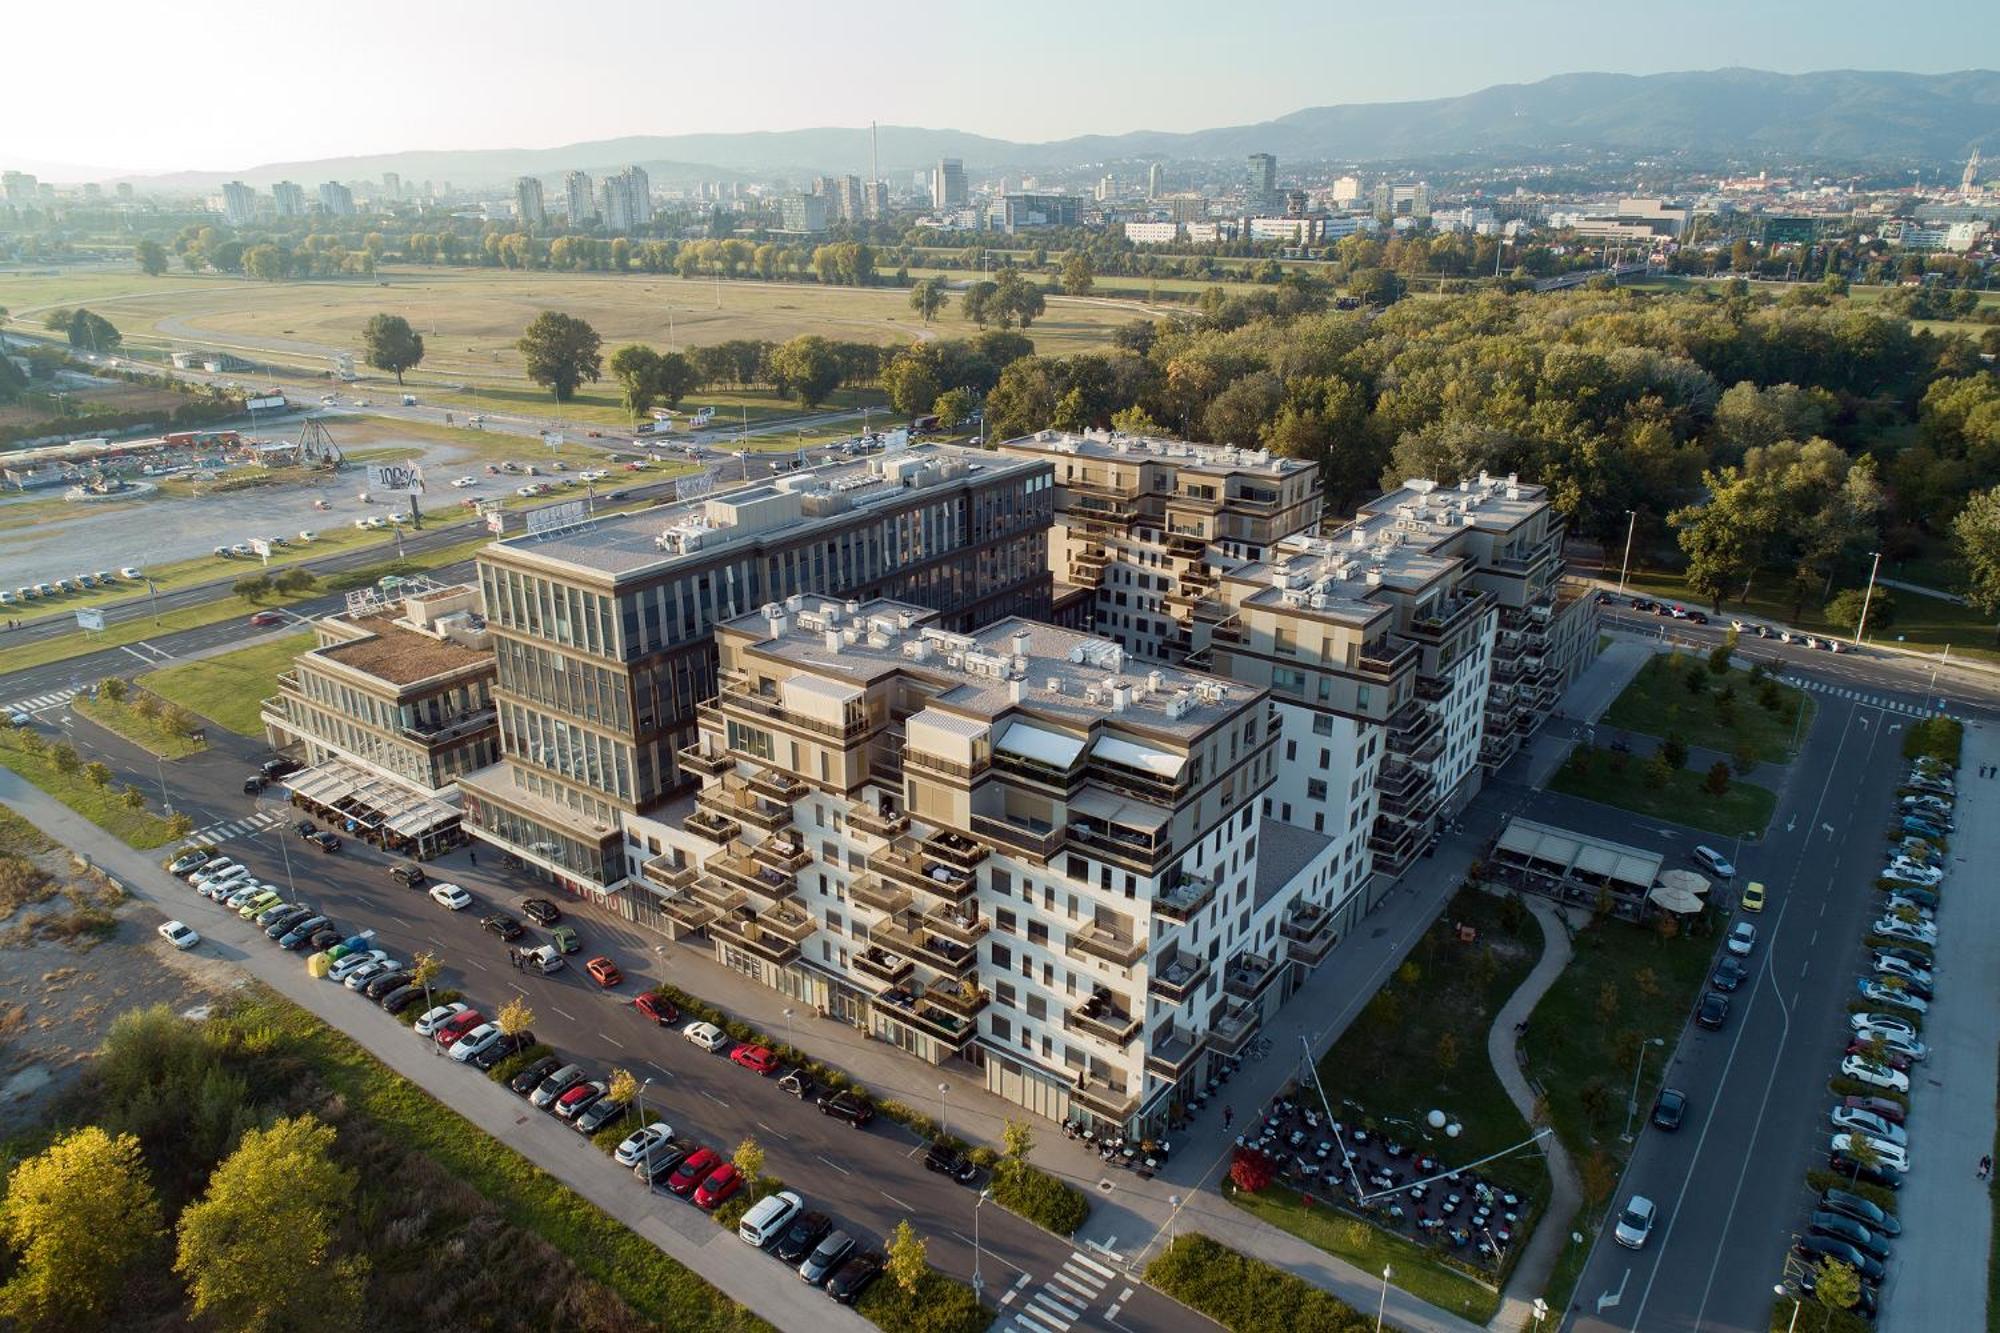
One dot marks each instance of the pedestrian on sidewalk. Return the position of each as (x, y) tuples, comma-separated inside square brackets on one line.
[(1986, 1167), (1228, 1116), (474, 857)]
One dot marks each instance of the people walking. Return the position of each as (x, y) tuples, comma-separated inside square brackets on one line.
[(1228, 1116), (1986, 1167), (473, 856)]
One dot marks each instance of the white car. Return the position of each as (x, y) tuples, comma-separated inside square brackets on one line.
[(218, 868), (1892, 1154), (307, 537), (130, 572), (179, 935), (1897, 928), (525, 491), (592, 474), (451, 896), (212, 881), (1875, 990), (367, 972), (1889, 965), (1742, 939), (1855, 1120), (1635, 1224), (1896, 904), (1896, 1043), (1714, 862), (1868, 1022), (1918, 877), (473, 1042), (1923, 871), (706, 1035), (463, 482), (346, 966), (433, 1019), (238, 899), (641, 1141), (1860, 1067)]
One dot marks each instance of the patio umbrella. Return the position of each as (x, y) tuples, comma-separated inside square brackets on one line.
[(1683, 879), (1676, 900)]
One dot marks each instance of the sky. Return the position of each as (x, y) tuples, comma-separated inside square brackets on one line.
[(137, 85)]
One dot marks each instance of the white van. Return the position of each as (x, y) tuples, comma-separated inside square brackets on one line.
[(768, 1217)]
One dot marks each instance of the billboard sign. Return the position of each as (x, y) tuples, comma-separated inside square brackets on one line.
[(262, 547), (395, 479), (553, 439), (90, 618), (496, 521), (555, 518), (693, 488)]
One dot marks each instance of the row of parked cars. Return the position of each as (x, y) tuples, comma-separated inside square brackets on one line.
[(37, 592), (1870, 1143)]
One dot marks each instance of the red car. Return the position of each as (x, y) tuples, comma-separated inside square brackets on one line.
[(756, 1059), (693, 1171), (724, 1181), (457, 1026), (571, 1103), (604, 972), (263, 618), (1892, 1112), (658, 1008)]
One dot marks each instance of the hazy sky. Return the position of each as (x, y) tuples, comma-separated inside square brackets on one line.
[(226, 84)]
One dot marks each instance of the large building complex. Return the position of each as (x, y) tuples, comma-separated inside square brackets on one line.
[(578, 203), (1015, 849), (628, 200), (239, 203), (336, 200), (289, 198), (604, 630), (528, 205), (948, 183)]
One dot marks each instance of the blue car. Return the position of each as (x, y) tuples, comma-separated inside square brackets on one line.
[(1922, 828)]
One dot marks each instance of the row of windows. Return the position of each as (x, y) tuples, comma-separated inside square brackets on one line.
[(569, 686), (585, 860), (562, 747)]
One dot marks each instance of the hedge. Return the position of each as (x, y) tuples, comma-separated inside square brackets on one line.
[(938, 1305), (1038, 1196), (1840, 1085), (1821, 1179), (1247, 1295), (1938, 737)]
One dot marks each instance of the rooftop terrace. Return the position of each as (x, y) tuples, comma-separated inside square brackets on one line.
[(1116, 446)]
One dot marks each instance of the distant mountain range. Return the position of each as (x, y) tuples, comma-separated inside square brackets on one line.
[(1835, 117)]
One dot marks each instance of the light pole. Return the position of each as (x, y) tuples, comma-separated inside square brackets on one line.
[(978, 1280), (1631, 522), (153, 590), (1867, 597), (166, 802), (1632, 1102), (1797, 1302), (788, 1029), (1382, 1306), (642, 1100), (944, 1108)]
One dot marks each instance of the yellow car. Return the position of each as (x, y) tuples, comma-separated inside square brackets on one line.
[(1753, 897)]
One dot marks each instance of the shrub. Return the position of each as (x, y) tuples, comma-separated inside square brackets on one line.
[(1244, 1294), (1824, 1179), (937, 1305), (513, 1064), (1039, 1197), (1717, 781), (1675, 749), (1251, 1171), (1938, 737)]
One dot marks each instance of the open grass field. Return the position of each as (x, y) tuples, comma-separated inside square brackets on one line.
[(227, 689), (1726, 713)]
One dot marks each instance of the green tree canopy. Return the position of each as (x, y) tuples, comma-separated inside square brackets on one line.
[(391, 344), (79, 1215), (152, 257), (807, 367), (561, 352), (928, 297)]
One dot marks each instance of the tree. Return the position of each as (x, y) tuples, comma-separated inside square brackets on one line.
[(97, 775), (514, 1018), (1078, 274), (266, 263), (179, 825), (749, 1159), (911, 381), (280, 1182), (1017, 1140), (424, 970), (675, 377), (561, 352), (113, 688), (92, 332), (1744, 757), (1976, 534), (1718, 658), (622, 1087), (977, 303), (152, 257), (907, 1261), (392, 345), (1015, 300), (252, 587), (1838, 1286), (1674, 750), (79, 1216), (1844, 611), (955, 408), (1445, 1055), (928, 297), (1251, 1171), (808, 368), (1717, 781), (64, 756), (1861, 1151), (1656, 772), (296, 579), (134, 798), (634, 366)]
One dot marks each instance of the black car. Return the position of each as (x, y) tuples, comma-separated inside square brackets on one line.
[(305, 828), (541, 911), (856, 1111), (376, 987), (277, 768), (1643, 604), (1669, 1109), (1888, 1177), (597, 1115), (325, 938), (300, 933), (281, 925), (326, 842), (1863, 1211), (798, 1240), (1923, 898), (506, 927), (289, 913), (255, 783), (1714, 1011), (501, 1049), (1842, 1227), (852, 1278), (1831, 1247), (401, 998), (827, 1256), (1697, 617), (797, 1082), (409, 875), (530, 1078), (1729, 974), (666, 1159), (949, 1161), (1916, 955)]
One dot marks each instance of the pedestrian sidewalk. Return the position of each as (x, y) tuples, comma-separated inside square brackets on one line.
[(687, 1237), (1538, 1260), (1938, 1277)]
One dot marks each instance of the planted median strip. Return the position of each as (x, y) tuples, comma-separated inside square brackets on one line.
[(57, 769)]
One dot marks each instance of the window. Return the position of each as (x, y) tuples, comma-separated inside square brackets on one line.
[(1003, 993), (1037, 1007), (1315, 789), (1002, 1029), (1002, 955), (1038, 933), (1322, 724), (1003, 919)]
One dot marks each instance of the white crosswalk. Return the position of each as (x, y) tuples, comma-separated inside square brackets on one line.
[(41, 701), (236, 828), (1863, 697), (1065, 1298)]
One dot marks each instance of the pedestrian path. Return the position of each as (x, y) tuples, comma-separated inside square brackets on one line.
[(236, 828), (41, 701), (1862, 697), (1068, 1296)]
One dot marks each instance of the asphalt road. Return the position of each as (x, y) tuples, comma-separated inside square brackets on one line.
[(1729, 1184), (867, 1181)]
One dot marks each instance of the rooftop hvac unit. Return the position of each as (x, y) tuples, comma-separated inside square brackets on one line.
[(1091, 696), (1055, 684), (1154, 681)]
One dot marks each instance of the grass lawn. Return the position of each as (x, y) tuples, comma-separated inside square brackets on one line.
[(148, 733), (1658, 702), (227, 689), (1620, 780), (1370, 1248), (104, 807), (1625, 984)]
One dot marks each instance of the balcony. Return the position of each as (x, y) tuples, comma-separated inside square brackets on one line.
[(1139, 850), (1186, 545), (927, 1014), (956, 849), (1104, 1099), (1495, 751), (961, 925), (905, 863), (1308, 933), (948, 768), (1101, 941), (1430, 689), (1181, 901), (911, 936), (778, 785), (768, 707), (735, 866), (663, 872), (1178, 978), (961, 1000), (782, 853), (700, 759), (1394, 851), (689, 912), (1037, 845), (869, 820), (715, 828), (451, 729), (1230, 1030), (871, 891), (775, 935), (1249, 975), (1173, 1053), (1386, 659), (731, 799), (1100, 1017), (883, 966), (1113, 508)]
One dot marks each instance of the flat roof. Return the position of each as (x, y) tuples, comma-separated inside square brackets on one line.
[(1118, 447), (1080, 667), (1579, 853), (620, 545), (398, 654)]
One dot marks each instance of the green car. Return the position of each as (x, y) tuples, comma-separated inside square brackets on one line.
[(258, 904), (565, 939)]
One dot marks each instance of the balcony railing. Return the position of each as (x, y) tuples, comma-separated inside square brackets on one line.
[(1181, 901), (662, 871), (1104, 1099), (689, 912), (1136, 850), (733, 801), (913, 938), (1386, 659), (783, 854), (1039, 845), (715, 828), (778, 785), (737, 867), (1233, 1027), (700, 759), (927, 1015), (906, 864), (452, 729), (1173, 1052), (770, 707), (891, 969), (956, 1000), (962, 925), (1100, 941), (956, 849), (775, 935), (1178, 978), (872, 821), (1308, 932), (873, 891), (950, 768), (1099, 1017), (1249, 975)]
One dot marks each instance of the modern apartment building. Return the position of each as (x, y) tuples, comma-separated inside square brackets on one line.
[(578, 202), (605, 629), (948, 183), (403, 688), (1014, 849), (336, 200), (628, 200), (529, 209), (1145, 523), (239, 204), (289, 198)]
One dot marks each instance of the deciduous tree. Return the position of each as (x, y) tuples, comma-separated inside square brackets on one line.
[(152, 257), (928, 297), (79, 1216), (907, 1259), (807, 368), (391, 344), (560, 352), (749, 1159)]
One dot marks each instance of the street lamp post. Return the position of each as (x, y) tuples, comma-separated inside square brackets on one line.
[(166, 801), (788, 1029), (1797, 1302), (642, 1100), (978, 1279), (1632, 1102), (1382, 1306), (285, 851), (944, 1108), (1867, 597), (1631, 522)]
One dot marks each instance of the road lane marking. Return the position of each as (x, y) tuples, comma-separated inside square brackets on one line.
[(476, 963), (717, 1100), (1092, 1264), (668, 1072), (613, 1040), (570, 1017), (773, 1133), (835, 1165), (898, 1202)]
